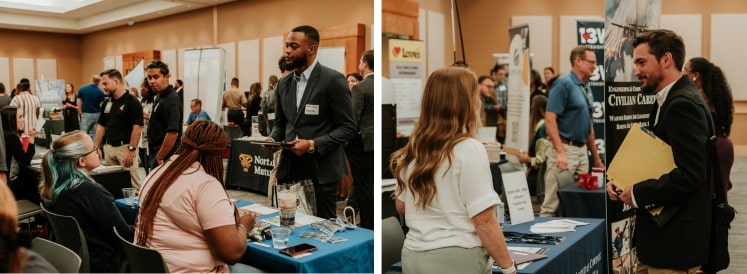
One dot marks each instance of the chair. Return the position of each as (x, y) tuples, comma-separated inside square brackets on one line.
[(142, 259), (62, 258), (392, 240), (68, 234)]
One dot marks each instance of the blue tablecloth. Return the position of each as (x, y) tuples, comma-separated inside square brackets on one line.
[(128, 212), (352, 256), (581, 202), (582, 251)]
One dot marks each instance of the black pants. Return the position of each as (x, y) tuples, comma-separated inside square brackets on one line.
[(143, 154), (326, 199), (362, 167), (70, 120), (237, 117), (154, 154)]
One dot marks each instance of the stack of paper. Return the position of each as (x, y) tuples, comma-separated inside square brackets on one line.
[(523, 256), (260, 209), (556, 226)]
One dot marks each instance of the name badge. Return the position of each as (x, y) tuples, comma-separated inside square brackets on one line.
[(108, 107), (312, 110), (271, 116), (502, 88)]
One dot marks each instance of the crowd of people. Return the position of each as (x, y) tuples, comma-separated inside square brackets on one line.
[(106, 123), (444, 191)]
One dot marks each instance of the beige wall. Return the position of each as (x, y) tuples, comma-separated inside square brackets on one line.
[(485, 22), (79, 56), (235, 21), (66, 49), (485, 25)]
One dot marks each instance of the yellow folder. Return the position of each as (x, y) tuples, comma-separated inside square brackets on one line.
[(641, 156)]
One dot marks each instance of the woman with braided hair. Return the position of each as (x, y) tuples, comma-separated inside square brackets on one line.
[(66, 189), (716, 91), (184, 211)]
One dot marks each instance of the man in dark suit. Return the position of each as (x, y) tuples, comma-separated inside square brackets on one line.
[(679, 118), (314, 113), (360, 148)]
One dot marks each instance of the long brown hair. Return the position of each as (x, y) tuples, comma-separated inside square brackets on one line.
[(12, 256), (202, 142), (536, 114), (449, 113)]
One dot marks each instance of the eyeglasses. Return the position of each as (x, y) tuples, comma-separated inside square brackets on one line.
[(95, 149), (593, 62)]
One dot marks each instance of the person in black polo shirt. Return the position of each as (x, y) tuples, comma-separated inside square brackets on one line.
[(165, 125), (120, 125)]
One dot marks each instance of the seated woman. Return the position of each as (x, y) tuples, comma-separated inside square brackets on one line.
[(186, 214), (536, 157), (68, 190), (13, 257), (23, 181)]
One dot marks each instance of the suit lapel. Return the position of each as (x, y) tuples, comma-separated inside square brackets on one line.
[(307, 92)]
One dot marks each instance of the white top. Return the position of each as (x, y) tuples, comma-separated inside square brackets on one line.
[(27, 103), (303, 80), (463, 191)]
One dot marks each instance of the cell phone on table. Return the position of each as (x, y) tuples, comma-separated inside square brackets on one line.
[(298, 249)]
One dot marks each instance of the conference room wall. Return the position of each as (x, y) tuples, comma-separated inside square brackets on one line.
[(234, 22), (65, 48), (485, 26)]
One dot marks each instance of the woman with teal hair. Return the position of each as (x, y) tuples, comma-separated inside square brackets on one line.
[(67, 189)]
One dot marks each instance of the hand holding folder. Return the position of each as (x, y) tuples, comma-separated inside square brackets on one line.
[(642, 156)]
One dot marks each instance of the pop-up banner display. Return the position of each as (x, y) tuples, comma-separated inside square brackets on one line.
[(625, 105)]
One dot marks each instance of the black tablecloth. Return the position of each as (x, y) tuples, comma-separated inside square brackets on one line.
[(581, 202), (44, 138), (248, 166)]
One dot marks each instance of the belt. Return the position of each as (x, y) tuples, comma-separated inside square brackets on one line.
[(116, 143), (572, 143), (234, 109)]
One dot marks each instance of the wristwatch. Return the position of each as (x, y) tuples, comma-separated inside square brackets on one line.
[(312, 148), (511, 269), (130, 148)]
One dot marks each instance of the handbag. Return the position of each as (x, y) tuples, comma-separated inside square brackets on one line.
[(722, 216)]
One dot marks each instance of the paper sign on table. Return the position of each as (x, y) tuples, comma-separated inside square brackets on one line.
[(517, 195)]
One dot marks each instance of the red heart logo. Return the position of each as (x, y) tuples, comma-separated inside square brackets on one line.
[(586, 36), (396, 51)]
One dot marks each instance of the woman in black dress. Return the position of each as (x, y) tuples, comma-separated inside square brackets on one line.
[(70, 108), (255, 99)]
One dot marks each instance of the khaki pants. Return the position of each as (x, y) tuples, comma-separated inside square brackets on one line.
[(115, 156), (578, 162), (446, 260)]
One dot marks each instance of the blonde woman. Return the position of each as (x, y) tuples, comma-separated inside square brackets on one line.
[(444, 186), (68, 190)]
